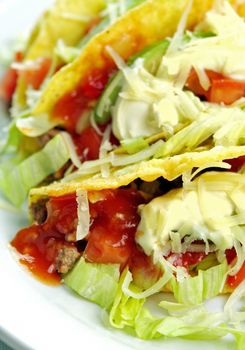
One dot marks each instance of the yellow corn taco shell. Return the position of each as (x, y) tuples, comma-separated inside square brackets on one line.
[(67, 20), (147, 23), (169, 168)]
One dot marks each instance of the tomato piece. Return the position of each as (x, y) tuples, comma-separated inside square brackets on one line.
[(230, 255), (234, 281), (236, 163), (8, 84), (115, 219), (108, 247), (88, 144), (222, 90), (144, 272), (34, 76), (194, 85), (9, 80), (186, 259), (226, 91)]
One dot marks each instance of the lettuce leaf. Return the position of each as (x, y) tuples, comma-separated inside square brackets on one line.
[(18, 179), (95, 282), (125, 308), (207, 284), (196, 323)]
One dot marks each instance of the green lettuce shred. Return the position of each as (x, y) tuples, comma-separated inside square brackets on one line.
[(16, 181), (195, 323), (207, 284), (125, 308), (134, 145), (95, 282)]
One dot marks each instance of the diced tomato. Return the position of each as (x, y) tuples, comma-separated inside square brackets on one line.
[(144, 272), (236, 163), (34, 76), (186, 259), (88, 144), (226, 91), (108, 247), (234, 281), (115, 219), (194, 85), (8, 84), (222, 90), (230, 255), (9, 80), (18, 56)]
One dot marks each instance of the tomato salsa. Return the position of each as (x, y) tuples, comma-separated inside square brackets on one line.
[(114, 220), (72, 105), (111, 239)]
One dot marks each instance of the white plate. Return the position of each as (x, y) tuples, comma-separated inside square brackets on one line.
[(35, 316)]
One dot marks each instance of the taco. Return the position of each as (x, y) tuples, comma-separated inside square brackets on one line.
[(121, 243), (67, 21), (153, 132), (163, 210)]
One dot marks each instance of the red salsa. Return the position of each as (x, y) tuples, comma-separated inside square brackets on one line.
[(114, 220), (72, 105)]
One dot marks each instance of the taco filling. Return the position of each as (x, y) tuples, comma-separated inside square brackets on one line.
[(169, 99), (140, 240), (152, 167)]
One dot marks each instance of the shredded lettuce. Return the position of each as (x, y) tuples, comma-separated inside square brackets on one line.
[(16, 181), (95, 282), (125, 308), (12, 141), (207, 284), (67, 53), (218, 123), (35, 126), (134, 145), (197, 323)]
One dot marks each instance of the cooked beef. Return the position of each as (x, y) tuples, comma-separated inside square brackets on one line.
[(45, 138), (66, 258), (39, 211), (59, 174)]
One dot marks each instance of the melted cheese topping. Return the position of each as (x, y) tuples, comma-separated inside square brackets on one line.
[(200, 211), (150, 104)]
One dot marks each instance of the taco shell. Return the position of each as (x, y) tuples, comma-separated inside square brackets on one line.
[(141, 26), (169, 168), (67, 20)]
